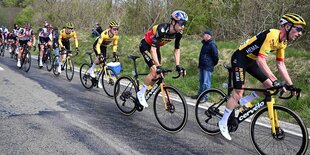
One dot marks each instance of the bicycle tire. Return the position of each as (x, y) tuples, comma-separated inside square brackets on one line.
[(2, 51), (287, 139), (27, 61), (125, 94), (174, 118), (85, 77), (54, 66), (108, 81), (207, 121), (69, 68), (49, 61)]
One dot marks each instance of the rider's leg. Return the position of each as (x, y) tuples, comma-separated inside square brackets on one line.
[(41, 54)]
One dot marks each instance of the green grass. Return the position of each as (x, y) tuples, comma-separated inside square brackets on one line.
[(297, 62)]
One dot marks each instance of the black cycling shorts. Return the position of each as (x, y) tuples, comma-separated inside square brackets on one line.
[(145, 51), (66, 44), (43, 40), (241, 64), (103, 50)]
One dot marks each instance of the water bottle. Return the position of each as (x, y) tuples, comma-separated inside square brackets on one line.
[(225, 85)]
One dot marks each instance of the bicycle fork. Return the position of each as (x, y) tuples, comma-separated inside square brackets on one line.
[(273, 116), (167, 101)]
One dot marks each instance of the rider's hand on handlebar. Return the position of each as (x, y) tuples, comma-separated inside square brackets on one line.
[(278, 84), (77, 50), (292, 88), (158, 69), (101, 58), (63, 48), (180, 69)]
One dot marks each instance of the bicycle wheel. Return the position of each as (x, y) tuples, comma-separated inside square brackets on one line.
[(69, 68), (49, 61), (108, 81), (55, 65), (205, 117), (291, 137), (2, 51), (174, 117), (27, 61), (85, 77), (125, 95)]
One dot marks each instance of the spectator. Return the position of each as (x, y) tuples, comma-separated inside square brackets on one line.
[(97, 30), (208, 58)]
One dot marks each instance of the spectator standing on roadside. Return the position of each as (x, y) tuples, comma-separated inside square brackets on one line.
[(208, 58)]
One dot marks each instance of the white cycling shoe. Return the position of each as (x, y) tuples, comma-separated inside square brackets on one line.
[(18, 64), (224, 130), (99, 84), (59, 69), (141, 99)]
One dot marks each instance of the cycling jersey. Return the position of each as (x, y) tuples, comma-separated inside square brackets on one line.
[(25, 34), (105, 40), (264, 43), (243, 60), (64, 37), (159, 35)]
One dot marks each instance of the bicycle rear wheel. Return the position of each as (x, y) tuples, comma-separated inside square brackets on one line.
[(125, 95), (108, 81), (49, 60), (173, 117), (2, 51), (291, 137), (205, 111), (85, 77), (69, 68)]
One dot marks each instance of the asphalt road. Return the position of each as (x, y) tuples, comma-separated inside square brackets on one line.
[(44, 114)]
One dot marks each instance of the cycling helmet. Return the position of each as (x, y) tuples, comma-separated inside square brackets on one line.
[(113, 24), (179, 15), (292, 18), (69, 25)]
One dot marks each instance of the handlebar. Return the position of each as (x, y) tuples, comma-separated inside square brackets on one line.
[(297, 90), (163, 71), (183, 73)]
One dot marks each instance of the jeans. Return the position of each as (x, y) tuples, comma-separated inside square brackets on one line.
[(56, 50), (204, 81)]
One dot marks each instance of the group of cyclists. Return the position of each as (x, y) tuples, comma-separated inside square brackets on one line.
[(250, 57)]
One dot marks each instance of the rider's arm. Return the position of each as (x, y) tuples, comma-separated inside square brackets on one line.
[(262, 64), (76, 43), (115, 42), (177, 53), (282, 67), (60, 38), (33, 40)]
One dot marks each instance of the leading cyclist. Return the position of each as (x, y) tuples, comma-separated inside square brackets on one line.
[(251, 57), (156, 37)]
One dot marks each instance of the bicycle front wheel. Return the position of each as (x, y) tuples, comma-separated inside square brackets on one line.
[(125, 95), (108, 81), (69, 68), (27, 61), (170, 109), (49, 61), (207, 108), (85, 77), (291, 137)]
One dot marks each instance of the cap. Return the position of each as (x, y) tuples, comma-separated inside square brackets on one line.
[(207, 32)]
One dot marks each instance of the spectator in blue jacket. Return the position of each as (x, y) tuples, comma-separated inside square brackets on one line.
[(208, 58)]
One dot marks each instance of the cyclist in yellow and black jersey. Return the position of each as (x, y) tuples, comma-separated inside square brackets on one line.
[(64, 41), (158, 36), (108, 37), (251, 57)]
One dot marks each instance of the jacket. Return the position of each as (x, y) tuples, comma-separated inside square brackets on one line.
[(208, 57)]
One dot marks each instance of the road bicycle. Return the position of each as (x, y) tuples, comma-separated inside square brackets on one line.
[(107, 75), (169, 105), (47, 57), (2, 49), (25, 59), (274, 129), (68, 64)]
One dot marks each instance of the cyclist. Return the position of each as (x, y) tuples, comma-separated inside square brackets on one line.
[(55, 34), (106, 38), (252, 55), (25, 37), (64, 40), (45, 37), (156, 37), (15, 34)]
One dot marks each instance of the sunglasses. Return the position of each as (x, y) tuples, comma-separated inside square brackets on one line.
[(115, 28), (181, 22), (298, 29)]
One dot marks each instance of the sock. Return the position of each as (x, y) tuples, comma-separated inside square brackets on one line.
[(226, 115), (248, 98), (93, 66), (143, 89)]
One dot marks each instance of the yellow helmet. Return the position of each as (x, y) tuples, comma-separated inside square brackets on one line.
[(292, 18), (113, 24), (69, 25)]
